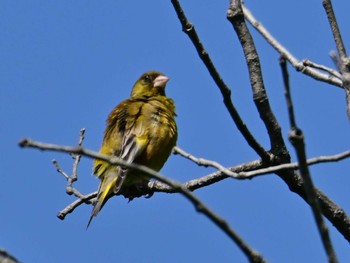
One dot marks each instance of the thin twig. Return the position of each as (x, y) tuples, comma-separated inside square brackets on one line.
[(309, 63), (59, 170), (287, 93), (87, 199), (205, 162), (296, 137), (293, 166), (77, 157), (231, 172), (252, 255), (298, 65), (70, 190), (190, 30)]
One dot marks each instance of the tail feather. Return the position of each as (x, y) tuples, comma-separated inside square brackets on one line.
[(113, 176), (105, 191)]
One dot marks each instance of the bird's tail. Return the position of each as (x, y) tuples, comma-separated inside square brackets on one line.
[(105, 191)]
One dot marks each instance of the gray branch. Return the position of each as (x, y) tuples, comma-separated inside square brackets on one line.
[(189, 29), (251, 254), (298, 65), (236, 17), (344, 65), (296, 137)]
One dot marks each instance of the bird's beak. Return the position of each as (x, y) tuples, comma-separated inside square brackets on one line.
[(160, 81)]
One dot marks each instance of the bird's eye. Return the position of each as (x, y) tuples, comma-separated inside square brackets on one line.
[(148, 78)]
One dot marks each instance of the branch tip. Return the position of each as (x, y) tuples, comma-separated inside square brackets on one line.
[(61, 216), (23, 143)]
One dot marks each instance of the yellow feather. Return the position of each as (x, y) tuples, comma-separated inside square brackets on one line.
[(141, 129)]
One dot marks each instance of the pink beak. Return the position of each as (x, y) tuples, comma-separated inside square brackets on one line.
[(160, 81)]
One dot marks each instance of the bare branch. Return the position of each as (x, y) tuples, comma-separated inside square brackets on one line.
[(209, 179), (242, 172), (6, 257), (189, 29), (205, 162), (309, 63), (293, 166), (335, 214), (70, 190), (251, 254), (236, 17), (287, 93), (296, 137), (87, 199), (298, 65), (344, 66), (158, 186), (77, 157), (59, 170), (246, 174), (327, 4)]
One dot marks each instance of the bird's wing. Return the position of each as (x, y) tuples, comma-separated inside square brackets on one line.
[(134, 142), (127, 121)]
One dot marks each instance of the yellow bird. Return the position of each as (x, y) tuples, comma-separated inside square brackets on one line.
[(139, 130)]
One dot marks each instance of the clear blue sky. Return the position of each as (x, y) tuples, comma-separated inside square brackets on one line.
[(66, 64)]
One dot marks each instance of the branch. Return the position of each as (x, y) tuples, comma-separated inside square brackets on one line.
[(344, 66), (6, 257), (244, 171), (298, 65), (335, 214), (205, 162), (296, 137), (293, 166), (87, 199), (236, 17), (309, 63), (189, 29), (249, 173), (70, 190), (158, 186), (251, 254), (327, 4)]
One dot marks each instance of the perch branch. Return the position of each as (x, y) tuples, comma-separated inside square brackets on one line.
[(335, 214), (251, 254)]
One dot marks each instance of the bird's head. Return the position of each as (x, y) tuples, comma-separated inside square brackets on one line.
[(150, 84)]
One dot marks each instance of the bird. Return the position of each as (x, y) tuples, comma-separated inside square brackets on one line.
[(140, 130)]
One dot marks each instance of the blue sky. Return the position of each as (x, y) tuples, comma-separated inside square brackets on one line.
[(66, 64)]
